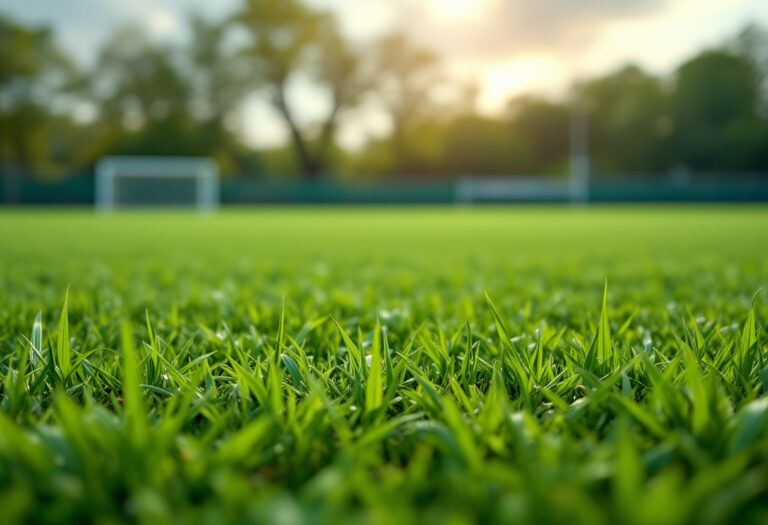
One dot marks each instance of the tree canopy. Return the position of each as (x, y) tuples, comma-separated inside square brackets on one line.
[(145, 97)]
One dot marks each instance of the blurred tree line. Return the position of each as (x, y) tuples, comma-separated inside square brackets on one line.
[(148, 98)]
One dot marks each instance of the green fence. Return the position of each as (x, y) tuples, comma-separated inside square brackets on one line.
[(79, 190), (750, 190), (333, 192)]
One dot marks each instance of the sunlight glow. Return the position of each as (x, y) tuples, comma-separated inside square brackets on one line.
[(162, 21), (505, 80), (455, 10)]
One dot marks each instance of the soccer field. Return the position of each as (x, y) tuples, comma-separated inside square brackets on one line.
[(385, 365)]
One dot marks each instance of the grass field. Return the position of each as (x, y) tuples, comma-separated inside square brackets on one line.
[(385, 366)]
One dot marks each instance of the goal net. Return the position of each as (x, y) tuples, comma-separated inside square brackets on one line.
[(131, 182)]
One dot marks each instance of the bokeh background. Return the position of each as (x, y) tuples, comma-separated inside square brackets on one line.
[(389, 100)]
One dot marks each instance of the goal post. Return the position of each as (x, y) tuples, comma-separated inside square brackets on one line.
[(134, 182)]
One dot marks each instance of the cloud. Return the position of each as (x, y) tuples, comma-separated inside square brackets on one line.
[(499, 29)]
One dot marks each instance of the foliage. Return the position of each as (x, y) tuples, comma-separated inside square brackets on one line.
[(284, 36), (629, 103), (327, 366), (32, 72), (711, 131), (146, 97), (406, 75)]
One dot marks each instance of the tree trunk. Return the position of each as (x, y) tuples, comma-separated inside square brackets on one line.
[(310, 168), (399, 146), (326, 138)]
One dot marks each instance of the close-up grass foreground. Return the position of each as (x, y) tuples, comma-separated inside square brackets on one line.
[(521, 365)]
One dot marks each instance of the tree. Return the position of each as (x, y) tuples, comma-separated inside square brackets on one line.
[(715, 113), (341, 70), (623, 104), (406, 75), (477, 145), (540, 128), (143, 96), (217, 76), (33, 72), (137, 82), (285, 35), (752, 44)]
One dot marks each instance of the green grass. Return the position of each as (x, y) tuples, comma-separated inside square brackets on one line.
[(385, 366)]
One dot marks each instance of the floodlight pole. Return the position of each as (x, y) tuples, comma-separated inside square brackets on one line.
[(579, 169)]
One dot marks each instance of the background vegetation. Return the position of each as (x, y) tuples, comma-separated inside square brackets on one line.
[(58, 117)]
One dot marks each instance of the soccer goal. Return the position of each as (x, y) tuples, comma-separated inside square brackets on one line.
[(132, 182)]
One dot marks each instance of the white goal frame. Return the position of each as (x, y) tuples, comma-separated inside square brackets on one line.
[(204, 171)]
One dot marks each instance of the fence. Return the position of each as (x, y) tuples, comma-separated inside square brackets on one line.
[(79, 190)]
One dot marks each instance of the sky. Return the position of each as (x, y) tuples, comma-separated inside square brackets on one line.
[(508, 47)]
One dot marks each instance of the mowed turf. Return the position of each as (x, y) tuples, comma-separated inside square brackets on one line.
[(440, 365)]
